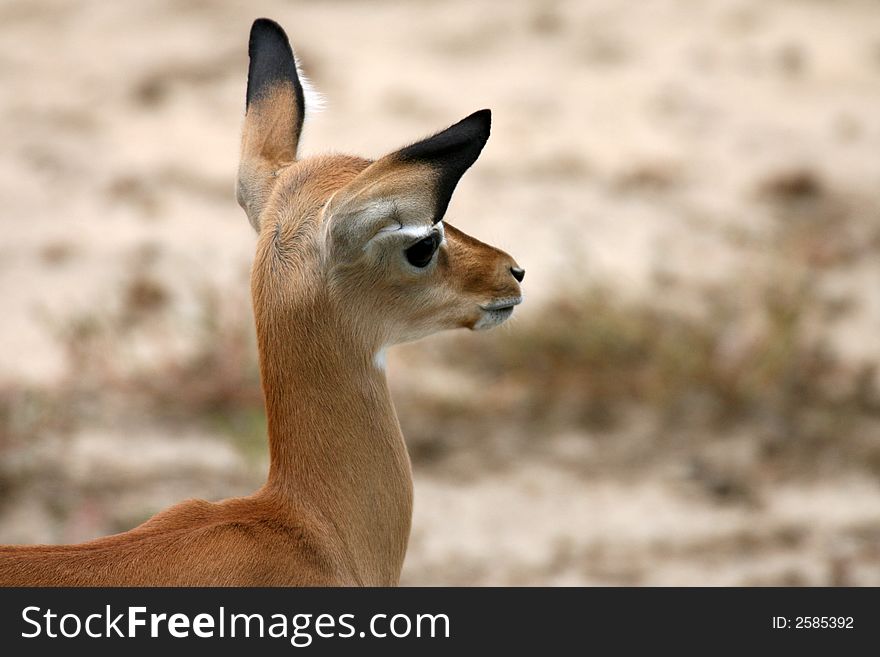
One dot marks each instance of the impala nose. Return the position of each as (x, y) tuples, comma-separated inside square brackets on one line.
[(518, 273)]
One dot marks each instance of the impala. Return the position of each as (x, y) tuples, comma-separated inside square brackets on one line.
[(352, 256)]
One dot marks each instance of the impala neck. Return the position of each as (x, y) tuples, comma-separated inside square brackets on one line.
[(334, 439)]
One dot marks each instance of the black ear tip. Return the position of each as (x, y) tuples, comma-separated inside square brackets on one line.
[(267, 27), (271, 62), (484, 115), (266, 30), (480, 122), (483, 118), (265, 24)]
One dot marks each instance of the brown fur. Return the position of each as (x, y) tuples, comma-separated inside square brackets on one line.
[(330, 292)]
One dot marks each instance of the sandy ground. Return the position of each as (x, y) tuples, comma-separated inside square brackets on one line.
[(630, 143)]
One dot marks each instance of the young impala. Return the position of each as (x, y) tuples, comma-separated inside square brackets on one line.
[(353, 255)]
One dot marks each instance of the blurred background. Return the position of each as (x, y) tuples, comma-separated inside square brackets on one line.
[(690, 394)]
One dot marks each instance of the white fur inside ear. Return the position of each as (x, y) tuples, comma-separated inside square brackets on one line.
[(382, 210), (314, 99)]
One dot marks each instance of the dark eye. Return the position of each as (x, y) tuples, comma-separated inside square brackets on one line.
[(420, 254)]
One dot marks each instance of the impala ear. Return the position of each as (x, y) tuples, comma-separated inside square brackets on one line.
[(274, 111), (409, 186), (449, 154)]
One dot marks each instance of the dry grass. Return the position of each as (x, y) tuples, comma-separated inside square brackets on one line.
[(648, 382), (589, 364), (593, 365)]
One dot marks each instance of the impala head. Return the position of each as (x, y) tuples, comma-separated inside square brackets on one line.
[(363, 240)]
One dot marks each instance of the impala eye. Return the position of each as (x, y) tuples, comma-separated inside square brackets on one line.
[(420, 254)]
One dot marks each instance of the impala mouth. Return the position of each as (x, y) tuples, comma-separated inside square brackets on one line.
[(502, 305), (497, 312)]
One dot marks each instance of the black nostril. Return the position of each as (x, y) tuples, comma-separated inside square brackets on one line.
[(518, 273)]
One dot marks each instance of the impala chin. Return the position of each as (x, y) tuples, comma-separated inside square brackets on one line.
[(496, 313)]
